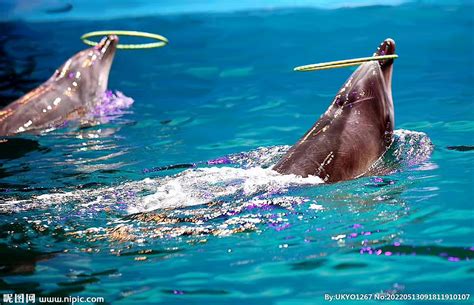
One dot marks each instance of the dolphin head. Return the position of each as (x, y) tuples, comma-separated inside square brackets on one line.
[(87, 72), (354, 132), (366, 97)]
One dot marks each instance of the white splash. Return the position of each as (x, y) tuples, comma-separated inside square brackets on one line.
[(205, 185)]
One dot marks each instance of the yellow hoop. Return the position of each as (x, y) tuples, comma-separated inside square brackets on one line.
[(342, 63), (162, 41)]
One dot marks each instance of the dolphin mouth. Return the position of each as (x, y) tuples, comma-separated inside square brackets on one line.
[(107, 46), (387, 47)]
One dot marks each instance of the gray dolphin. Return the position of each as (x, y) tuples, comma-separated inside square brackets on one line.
[(354, 132), (69, 94)]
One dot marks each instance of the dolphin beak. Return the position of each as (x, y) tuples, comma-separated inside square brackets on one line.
[(107, 46), (387, 47)]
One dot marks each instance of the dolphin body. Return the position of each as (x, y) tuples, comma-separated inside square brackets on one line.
[(70, 94), (354, 132)]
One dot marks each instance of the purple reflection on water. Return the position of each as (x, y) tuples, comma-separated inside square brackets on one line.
[(112, 104), (222, 160), (279, 227)]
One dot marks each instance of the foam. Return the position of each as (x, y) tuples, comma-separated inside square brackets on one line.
[(205, 185)]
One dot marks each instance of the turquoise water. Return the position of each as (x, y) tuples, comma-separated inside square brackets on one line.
[(224, 86)]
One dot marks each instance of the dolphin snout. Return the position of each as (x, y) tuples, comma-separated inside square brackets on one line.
[(113, 39), (387, 47), (108, 45)]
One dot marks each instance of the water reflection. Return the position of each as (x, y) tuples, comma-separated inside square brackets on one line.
[(14, 148)]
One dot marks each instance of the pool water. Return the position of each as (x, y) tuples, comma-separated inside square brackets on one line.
[(83, 214)]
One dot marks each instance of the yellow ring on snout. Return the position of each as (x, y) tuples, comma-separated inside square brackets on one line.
[(161, 40), (342, 63)]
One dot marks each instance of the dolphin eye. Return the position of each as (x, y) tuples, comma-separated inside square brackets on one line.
[(60, 72), (353, 96)]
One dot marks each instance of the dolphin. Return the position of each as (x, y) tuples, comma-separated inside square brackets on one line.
[(70, 94), (354, 132)]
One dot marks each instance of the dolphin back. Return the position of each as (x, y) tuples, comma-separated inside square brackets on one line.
[(47, 106)]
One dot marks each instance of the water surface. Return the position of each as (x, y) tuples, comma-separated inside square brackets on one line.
[(224, 86)]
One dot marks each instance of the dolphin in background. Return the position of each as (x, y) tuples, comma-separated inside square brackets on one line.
[(354, 132), (70, 94)]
